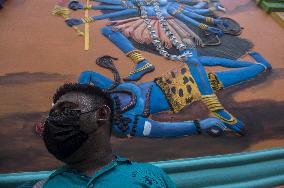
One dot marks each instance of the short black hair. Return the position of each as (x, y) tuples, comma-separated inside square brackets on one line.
[(88, 89)]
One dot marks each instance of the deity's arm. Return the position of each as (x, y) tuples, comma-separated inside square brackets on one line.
[(73, 21), (113, 2), (107, 5), (200, 5), (116, 14), (144, 127), (178, 12), (184, 1), (212, 126), (88, 77)]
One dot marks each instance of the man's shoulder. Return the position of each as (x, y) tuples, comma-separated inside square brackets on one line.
[(137, 165), (147, 166), (121, 171), (60, 177), (147, 174), (146, 170)]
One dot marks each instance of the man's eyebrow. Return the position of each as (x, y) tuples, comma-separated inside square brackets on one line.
[(61, 104)]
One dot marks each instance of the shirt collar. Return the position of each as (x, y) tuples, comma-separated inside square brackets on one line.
[(122, 160), (65, 168)]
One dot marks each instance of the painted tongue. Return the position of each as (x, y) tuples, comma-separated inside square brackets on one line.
[(39, 128)]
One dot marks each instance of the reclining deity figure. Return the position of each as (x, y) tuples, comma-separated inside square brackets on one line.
[(134, 103)]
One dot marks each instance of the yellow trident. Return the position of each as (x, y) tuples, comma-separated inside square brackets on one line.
[(65, 12), (87, 28)]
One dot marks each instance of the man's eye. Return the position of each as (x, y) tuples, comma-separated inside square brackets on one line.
[(68, 106), (69, 109), (64, 108)]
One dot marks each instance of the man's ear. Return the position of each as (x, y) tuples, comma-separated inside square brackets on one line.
[(103, 113)]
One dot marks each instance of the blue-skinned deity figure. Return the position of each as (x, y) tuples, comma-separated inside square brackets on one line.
[(181, 87)]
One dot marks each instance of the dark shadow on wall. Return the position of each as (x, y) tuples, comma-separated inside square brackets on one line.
[(22, 150), (30, 78)]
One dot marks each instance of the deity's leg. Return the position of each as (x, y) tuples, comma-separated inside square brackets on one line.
[(223, 62), (210, 99), (142, 65), (244, 73)]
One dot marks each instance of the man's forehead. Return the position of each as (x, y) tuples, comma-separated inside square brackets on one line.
[(76, 97)]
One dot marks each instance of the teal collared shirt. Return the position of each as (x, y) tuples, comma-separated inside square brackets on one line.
[(121, 173)]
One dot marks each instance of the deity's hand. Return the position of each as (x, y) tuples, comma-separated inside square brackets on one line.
[(237, 128), (213, 126), (75, 5), (72, 22)]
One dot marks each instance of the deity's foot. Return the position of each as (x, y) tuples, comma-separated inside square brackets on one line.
[(229, 26), (260, 60), (216, 31), (141, 68), (230, 121)]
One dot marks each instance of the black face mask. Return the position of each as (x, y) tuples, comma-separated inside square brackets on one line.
[(62, 134)]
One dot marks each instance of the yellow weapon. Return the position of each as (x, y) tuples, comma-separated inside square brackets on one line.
[(87, 28), (65, 12)]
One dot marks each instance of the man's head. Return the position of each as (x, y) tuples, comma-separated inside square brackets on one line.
[(79, 123)]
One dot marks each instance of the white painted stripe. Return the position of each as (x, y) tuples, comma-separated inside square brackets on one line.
[(147, 128)]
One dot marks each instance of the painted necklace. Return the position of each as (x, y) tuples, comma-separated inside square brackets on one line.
[(155, 39)]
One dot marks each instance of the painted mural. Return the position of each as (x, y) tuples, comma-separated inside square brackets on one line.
[(217, 78)]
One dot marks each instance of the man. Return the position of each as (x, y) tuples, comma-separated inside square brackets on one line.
[(77, 132)]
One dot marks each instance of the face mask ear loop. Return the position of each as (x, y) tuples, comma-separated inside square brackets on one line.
[(100, 120)]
